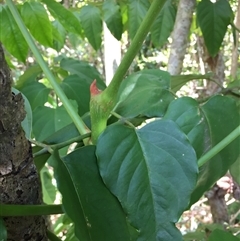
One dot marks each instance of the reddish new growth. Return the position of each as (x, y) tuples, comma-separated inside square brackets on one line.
[(94, 89)]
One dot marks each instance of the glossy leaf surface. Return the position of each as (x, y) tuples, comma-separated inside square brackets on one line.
[(143, 168), (96, 213)]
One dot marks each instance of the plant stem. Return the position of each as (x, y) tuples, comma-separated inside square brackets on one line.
[(7, 210), (216, 149), (102, 104), (82, 128), (70, 141), (135, 46), (50, 148)]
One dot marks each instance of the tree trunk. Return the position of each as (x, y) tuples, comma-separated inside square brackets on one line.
[(19, 180), (180, 36)]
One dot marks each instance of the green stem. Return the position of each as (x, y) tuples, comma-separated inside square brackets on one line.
[(216, 149), (82, 128), (50, 148), (135, 46), (70, 141), (102, 104), (52, 237), (7, 210)]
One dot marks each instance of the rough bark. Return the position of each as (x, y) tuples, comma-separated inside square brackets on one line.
[(19, 181), (180, 36)]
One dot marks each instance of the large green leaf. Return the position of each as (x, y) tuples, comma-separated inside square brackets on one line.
[(36, 93), (152, 171), (145, 93), (96, 213), (206, 125), (164, 23), (113, 18), (10, 35), (213, 19), (137, 10), (92, 24), (36, 19), (47, 120), (65, 17)]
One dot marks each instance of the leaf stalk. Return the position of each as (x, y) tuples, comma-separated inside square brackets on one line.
[(222, 144)]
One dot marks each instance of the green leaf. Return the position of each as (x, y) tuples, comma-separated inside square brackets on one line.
[(84, 71), (143, 168), (222, 235), (113, 18), (185, 112), (78, 90), (164, 23), (137, 11), (27, 122), (3, 230), (11, 37), (36, 93), (206, 125), (92, 24), (47, 120), (213, 19), (145, 93), (221, 116), (96, 213), (36, 19), (65, 17), (48, 189)]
